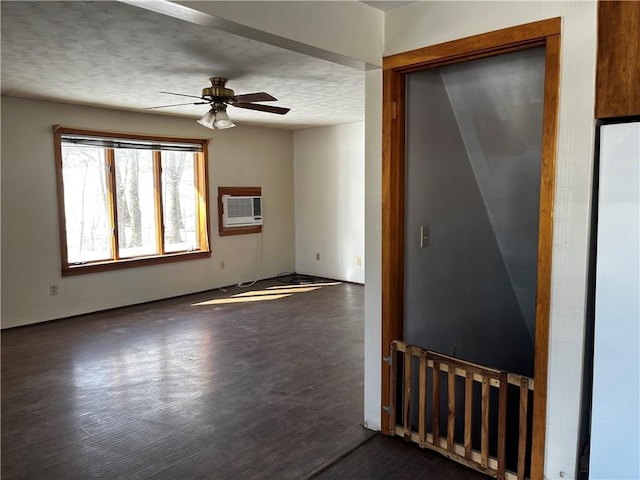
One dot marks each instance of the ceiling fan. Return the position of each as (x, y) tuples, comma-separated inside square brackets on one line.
[(218, 96)]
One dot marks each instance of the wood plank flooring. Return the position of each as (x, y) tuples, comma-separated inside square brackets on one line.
[(391, 458), (181, 389)]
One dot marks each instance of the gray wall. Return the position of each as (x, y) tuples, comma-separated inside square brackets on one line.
[(473, 159), (499, 115)]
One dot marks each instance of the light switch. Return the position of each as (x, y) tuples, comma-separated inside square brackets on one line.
[(424, 236)]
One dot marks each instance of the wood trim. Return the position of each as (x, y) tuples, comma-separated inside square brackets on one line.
[(117, 263), (240, 191), (544, 32), (476, 46), (406, 397), (451, 404), (392, 222), (62, 220), (237, 192), (61, 130), (113, 207), (422, 400), (435, 404), (468, 413), (229, 231), (203, 205), (484, 436), (393, 401), (134, 262), (522, 428), (157, 200), (618, 64), (462, 367), (545, 250), (502, 425)]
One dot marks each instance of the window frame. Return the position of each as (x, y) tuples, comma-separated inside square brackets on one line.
[(116, 263)]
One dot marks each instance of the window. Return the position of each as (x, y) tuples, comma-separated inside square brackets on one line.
[(130, 200)]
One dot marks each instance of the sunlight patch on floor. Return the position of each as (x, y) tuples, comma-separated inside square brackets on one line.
[(257, 298), (271, 292)]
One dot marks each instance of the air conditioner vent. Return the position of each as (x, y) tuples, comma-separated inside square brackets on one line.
[(241, 211), (240, 207)]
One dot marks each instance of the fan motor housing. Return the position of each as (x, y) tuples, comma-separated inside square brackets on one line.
[(217, 89)]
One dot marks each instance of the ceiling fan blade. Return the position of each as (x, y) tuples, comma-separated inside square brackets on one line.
[(181, 95), (253, 97), (176, 105), (262, 108)]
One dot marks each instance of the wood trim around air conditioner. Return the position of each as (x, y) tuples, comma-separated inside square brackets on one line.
[(238, 192)]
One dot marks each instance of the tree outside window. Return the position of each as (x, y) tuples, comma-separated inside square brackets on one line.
[(129, 200)]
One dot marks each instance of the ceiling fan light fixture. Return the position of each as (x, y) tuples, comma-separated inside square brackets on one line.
[(208, 119), (216, 118), (222, 120), (218, 96)]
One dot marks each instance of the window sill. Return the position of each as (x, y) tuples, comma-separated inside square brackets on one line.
[(93, 267)]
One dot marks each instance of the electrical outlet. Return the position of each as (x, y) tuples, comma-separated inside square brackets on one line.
[(222, 265), (318, 256), (359, 261), (53, 289)]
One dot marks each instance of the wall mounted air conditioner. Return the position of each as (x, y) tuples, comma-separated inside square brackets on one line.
[(241, 211)]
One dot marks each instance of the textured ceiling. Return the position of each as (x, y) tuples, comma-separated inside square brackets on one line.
[(115, 55)]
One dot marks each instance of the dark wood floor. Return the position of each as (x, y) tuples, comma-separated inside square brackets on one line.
[(391, 458), (173, 390)]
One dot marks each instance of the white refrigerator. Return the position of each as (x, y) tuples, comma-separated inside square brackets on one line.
[(615, 402)]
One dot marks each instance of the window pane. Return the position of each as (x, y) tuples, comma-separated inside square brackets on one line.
[(179, 201), (86, 204), (135, 201)]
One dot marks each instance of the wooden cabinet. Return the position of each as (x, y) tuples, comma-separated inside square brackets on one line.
[(618, 67)]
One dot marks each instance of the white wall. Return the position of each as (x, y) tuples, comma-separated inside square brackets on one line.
[(329, 201), (241, 156), (428, 23), (373, 251)]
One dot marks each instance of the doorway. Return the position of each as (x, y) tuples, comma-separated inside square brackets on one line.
[(402, 278), (473, 149)]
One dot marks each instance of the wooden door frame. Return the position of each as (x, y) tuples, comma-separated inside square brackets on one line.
[(395, 67)]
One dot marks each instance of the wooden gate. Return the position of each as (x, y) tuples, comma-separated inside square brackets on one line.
[(492, 461)]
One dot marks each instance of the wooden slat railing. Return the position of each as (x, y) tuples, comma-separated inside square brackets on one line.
[(445, 443)]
